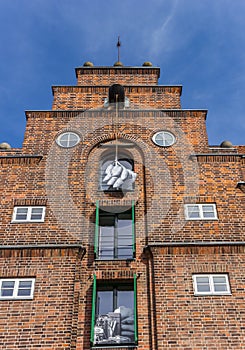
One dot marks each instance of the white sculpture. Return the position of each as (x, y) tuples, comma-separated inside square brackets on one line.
[(117, 175)]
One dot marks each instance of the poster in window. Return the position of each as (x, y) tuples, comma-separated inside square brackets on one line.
[(115, 327)]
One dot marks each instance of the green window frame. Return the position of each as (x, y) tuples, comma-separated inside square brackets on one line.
[(112, 239), (112, 323), (93, 308)]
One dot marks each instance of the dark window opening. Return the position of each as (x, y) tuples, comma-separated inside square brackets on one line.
[(114, 236)]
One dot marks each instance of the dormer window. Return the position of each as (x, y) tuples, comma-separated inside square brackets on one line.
[(116, 95)]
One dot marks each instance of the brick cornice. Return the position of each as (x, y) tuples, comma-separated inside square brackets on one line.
[(43, 250), (54, 113), (112, 274), (128, 88), (30, 201), (178, 113), (197, 248), (217, 158), (118, 70), (20, 159)]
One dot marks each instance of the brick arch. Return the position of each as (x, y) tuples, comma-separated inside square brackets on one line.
[(110, 136)]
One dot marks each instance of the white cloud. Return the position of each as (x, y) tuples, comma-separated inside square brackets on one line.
[(160, 37)]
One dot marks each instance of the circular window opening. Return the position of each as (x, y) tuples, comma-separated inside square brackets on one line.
[(68, 139), (163, 139)]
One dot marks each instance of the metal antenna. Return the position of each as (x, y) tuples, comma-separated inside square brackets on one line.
[(118, 48)]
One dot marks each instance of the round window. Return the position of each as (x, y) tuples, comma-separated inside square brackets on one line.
[(163, 138), (68, 139)]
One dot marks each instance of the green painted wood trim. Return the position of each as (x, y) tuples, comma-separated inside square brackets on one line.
[(93, 309), (135, 309), (96, 235), (133, 227)]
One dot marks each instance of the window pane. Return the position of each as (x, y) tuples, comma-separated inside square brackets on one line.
[(208, 211), (203, 284), (36, 213), (220, 288), (219, 279), (64, 140), (7, 289), (72, 141), (168, 139), (7, 292), (106, 247), (125, 298), (207, 208), (159, 140), (193, 211), (21, 213), (8, 284), (106, 239), (125, 241), (115, 239), (208, 215), (104, 302), (24, 292), (25, 284), (203, 288), (202, 279), (220, 284)]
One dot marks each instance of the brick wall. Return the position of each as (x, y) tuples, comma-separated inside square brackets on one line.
[(45, 322), (93, 76), (185, 321), (83, 97)]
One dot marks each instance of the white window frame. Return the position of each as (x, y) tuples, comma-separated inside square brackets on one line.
[(17, 288), (29, 214), (211, 282), (165, 141), (67, 142), (201, 211)]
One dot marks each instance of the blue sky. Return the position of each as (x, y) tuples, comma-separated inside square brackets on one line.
[(199, 44)]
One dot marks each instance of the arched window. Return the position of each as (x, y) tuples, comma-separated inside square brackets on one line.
[(116, 175)]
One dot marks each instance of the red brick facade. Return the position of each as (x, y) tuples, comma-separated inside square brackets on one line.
[(169, 249)]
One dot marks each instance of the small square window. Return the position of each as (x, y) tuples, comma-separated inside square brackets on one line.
[(17, 288), (200, 211), (207, 284), (28, 214)]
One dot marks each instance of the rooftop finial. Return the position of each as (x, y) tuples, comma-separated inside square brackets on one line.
[(118, 48)]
